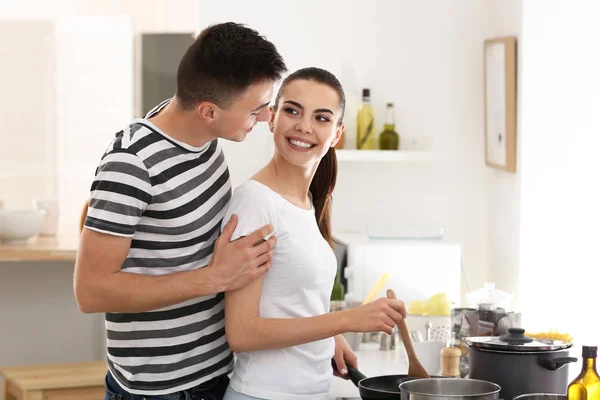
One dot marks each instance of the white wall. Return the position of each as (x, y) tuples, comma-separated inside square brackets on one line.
[(560, 167), (63, 107), (40, 320), (148, 16), (504, 189), (94, 80), (27, 119), (426, 57)]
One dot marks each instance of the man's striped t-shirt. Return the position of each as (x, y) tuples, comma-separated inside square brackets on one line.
[(169, 197)]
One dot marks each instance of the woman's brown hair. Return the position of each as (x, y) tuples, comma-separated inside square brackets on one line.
[(323, 183)]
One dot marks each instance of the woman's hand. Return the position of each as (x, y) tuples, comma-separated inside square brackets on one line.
[(380, 315), (343, 355)]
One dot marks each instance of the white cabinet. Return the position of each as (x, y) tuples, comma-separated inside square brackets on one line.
[(67, 89)]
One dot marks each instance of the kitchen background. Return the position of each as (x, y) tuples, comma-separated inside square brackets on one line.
[(70, 82)]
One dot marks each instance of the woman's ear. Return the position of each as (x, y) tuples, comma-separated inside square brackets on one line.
[(338, 134), (272, 119)]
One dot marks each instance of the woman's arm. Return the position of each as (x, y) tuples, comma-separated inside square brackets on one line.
[(247, 330)]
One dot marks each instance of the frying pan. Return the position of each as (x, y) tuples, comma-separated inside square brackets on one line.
[(383, 387)]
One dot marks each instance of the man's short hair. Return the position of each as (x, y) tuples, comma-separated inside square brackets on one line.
[(224, 60)]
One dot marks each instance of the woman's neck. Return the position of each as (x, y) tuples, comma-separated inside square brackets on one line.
[(292, 182)]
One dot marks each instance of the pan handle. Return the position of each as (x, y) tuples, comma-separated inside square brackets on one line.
[(354, 374)]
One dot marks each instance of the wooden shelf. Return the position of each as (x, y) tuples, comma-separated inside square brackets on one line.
[(60, 248), (383, 155)]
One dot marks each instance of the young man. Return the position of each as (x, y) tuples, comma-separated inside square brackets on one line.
[(150, 255)]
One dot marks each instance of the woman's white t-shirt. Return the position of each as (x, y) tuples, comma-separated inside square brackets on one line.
[(298, 285)]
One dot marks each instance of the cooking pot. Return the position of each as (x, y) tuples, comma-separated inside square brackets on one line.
[(449, 389), (520, 365), (542, 396)]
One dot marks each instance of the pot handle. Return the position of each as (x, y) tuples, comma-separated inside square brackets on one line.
[(557, 363), (354, 374)]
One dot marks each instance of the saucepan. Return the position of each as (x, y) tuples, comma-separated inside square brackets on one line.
[(542, 396), (449, 389), (385, 387)]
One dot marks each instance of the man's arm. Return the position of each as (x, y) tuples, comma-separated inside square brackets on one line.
[(101, 286)]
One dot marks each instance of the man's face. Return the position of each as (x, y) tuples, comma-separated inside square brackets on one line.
[(248, 108)]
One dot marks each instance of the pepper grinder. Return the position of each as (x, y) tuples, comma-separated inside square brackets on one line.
[(450, 359)]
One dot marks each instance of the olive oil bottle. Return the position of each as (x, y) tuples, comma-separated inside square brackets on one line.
[(587, 385), (389, 138), (337, 293), (365, 123)]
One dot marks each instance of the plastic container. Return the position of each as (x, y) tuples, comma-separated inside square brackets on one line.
[(489, 298)]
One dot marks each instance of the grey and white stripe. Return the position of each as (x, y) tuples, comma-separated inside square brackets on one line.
[(169, 197)]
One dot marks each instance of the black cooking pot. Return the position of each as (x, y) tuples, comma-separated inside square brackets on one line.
[(386, 387), (520, 364)]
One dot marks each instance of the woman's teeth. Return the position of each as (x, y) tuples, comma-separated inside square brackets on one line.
[(301, 144)]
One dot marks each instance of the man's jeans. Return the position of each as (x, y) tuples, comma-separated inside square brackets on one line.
[(211, 390)]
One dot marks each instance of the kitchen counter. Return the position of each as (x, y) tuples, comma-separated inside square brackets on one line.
[(371, 362), (40, 248)]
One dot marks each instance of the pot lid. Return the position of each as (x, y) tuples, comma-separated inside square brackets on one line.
[(516, 341)]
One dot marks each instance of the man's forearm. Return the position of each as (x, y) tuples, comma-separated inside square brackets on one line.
[(129, 293)]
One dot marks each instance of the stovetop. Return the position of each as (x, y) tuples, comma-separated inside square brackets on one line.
[(347, 398)]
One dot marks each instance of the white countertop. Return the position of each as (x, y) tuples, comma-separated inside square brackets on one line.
[(372, 362)]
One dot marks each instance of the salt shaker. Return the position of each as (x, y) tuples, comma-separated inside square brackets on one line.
[(384, 342)]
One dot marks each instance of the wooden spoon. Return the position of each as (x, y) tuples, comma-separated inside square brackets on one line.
[(414, 366)]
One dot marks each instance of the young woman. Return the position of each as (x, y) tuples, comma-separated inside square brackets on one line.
[(279, 325)]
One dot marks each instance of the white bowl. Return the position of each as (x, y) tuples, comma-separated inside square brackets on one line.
[(428, 353), (20, 225)]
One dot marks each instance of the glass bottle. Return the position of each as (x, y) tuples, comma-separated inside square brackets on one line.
[(587, 385), (365, 123), (336, 302), (337, 293), (389, 138)]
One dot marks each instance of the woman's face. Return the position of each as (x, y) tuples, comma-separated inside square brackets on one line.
[(305, 124)]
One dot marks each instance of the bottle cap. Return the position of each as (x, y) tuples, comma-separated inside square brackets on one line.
[(590, 351), (366, 92)]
